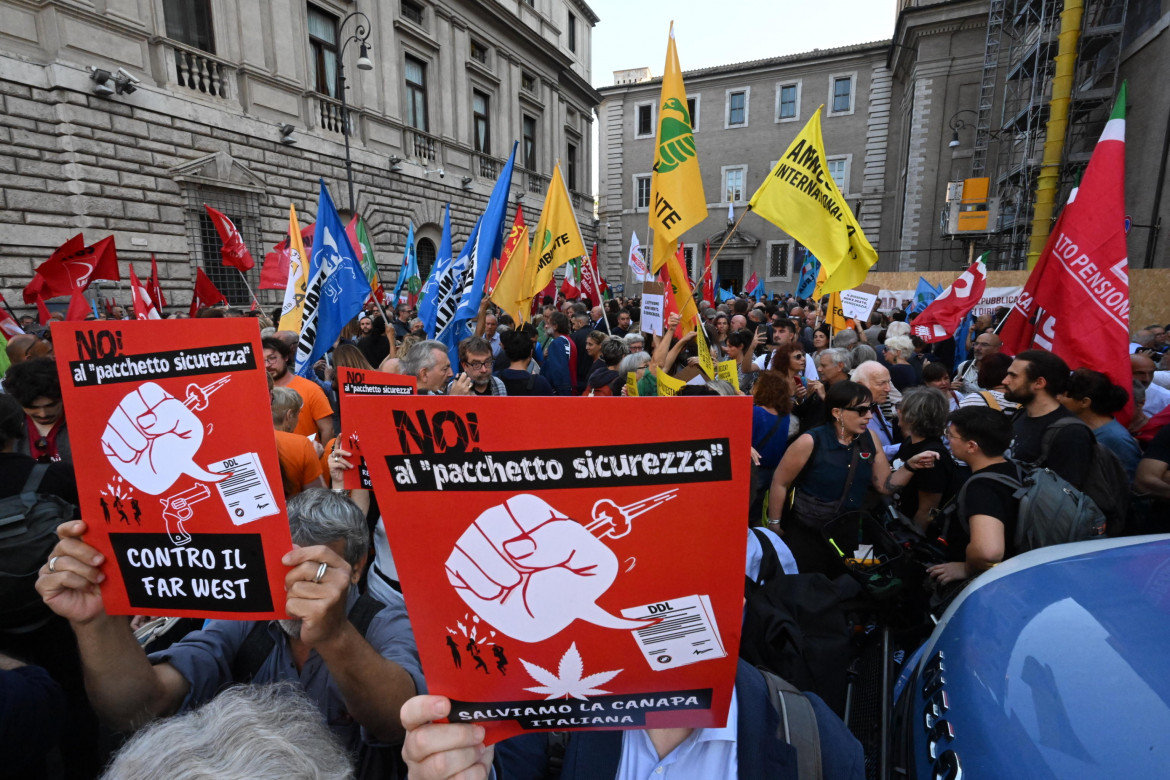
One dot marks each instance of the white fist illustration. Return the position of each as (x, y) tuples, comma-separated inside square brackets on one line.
[(151, 440), (530, 571)]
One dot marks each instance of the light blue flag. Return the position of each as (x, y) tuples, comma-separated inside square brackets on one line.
[(923, 295), (428, 303), (808, 276), (448, 328), (488, 244), (961, 341), (409, 269), (337, 286)]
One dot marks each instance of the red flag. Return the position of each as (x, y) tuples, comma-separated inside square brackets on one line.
[(43, 315), (705, 284), (508, 250), (233, 252), (274, 270), (79, 307), (752, 282), (73, 264), (206, 293), (590, 285), (1076, 300), (156, 292), (939, 320), (670, 304), (144, 308), (550, 291), (8, 324)]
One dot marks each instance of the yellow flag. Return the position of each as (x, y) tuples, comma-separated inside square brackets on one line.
[(676, 187), (506, 293), (298, 277), (728, 371), (684, 299), (668, 385), (801, 198), (835, 318), (556, 240), (632, 384), (706, 362)]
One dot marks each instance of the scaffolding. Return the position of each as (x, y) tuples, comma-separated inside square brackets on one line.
[(1022, 45)]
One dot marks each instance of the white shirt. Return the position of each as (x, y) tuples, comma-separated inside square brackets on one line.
[(1157, 399), (703, 755)]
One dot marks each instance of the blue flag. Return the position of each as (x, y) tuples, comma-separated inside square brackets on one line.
[(808, 276), (449, 329), (923, 295), (337, 286), (428, 303), (409, 269), (488, 244), (961, 341)]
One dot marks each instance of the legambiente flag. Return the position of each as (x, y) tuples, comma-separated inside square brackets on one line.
[(556, 240), (801, 198), (677, 201)]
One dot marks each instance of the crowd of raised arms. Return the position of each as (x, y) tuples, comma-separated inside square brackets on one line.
[(868, 419)]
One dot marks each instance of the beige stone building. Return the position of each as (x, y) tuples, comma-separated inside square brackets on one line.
[(124, 117)]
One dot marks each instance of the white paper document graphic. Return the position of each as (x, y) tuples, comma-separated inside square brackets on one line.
[(685, 634), (245, 493)]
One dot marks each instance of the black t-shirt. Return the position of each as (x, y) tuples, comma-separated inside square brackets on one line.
[(987, 497), (1159, 448), (1071, 452), (938, 479), (58, 481), (519, 382)]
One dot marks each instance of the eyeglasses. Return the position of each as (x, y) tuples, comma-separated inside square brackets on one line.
[(479, 365), (862, 410)]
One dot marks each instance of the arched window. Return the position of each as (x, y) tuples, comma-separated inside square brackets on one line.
[(426, 257)]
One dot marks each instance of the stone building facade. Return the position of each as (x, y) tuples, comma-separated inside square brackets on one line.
[(235, 103)]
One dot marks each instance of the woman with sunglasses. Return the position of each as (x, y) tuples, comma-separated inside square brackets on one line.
[(828, 470)]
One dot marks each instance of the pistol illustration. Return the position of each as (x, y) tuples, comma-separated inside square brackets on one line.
[(177, 510)]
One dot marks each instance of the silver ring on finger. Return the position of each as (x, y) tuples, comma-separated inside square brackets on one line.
[(320, 572), (53, 564)]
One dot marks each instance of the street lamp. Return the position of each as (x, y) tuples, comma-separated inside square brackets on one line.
[(361, 35), (957, 124)]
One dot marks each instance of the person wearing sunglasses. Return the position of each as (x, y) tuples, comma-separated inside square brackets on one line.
[(828, 472)]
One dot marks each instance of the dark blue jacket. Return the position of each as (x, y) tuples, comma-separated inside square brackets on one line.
[(556, 366), (595, 755)]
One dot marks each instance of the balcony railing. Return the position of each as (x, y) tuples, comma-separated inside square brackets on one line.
[(537, 183), (488, 167), (422, 146), (329, 115), (201, 72)]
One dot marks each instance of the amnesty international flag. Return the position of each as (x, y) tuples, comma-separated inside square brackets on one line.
[(801, 198), (556, 240), (676, 188)]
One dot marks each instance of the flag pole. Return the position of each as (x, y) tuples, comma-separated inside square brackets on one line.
[(254, 300), (730, 233)]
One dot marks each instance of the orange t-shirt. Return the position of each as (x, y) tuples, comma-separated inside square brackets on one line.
[(315, 405), (298, 459)]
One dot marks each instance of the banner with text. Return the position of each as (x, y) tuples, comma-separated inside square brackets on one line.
[(360, 382), (176, 465)]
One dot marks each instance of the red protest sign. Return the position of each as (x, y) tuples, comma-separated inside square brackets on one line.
[(176, 463), (567, 577), (361, 382)]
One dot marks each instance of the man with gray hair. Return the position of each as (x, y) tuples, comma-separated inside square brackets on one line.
[(846, 339), (833, 366), (876, 377), (358, 671), (428, 363), (248, 732)]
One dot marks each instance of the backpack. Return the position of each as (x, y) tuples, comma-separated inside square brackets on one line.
[(794, 626), (798, 724), (28, 533), (1106, 482), (1051, 511)]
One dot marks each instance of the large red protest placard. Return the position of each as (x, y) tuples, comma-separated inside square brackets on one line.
[(173, 445), (361, 382), (568, 576)]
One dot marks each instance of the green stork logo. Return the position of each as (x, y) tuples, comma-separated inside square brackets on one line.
[(676, 141)]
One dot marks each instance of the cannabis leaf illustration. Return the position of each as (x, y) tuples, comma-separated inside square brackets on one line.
[(568, 680)]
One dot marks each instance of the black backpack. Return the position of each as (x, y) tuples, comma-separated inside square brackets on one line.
[(794, 625), (1106, 482), (28, 533)]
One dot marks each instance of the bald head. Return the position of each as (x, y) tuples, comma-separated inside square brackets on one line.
[(876, 377), (25, 346), (1143, 369), (986, 344)]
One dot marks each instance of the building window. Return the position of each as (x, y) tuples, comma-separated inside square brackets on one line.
[(481, 126), (189, 22), (689, 259), (572, 32), (528, 82), (425, 255), (693, 110), (413, 12), (787, 102), (571, 166), (644, 120), (734, 178), (479, 52), (642, 191), (737, 107), (529, 142), (780, 261), (323, 48), (416, 94), (243, 209), (841, 93), (839, 169)]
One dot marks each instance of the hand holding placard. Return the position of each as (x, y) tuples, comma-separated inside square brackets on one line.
[(151, 440), (530, 571)]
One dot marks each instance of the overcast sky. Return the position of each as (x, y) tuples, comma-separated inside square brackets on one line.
[(632, 33)]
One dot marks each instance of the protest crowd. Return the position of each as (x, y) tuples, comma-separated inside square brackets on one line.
[(930, 438)]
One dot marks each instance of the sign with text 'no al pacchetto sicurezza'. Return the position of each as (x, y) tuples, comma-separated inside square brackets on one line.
[(171, 429), (576, 576)]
